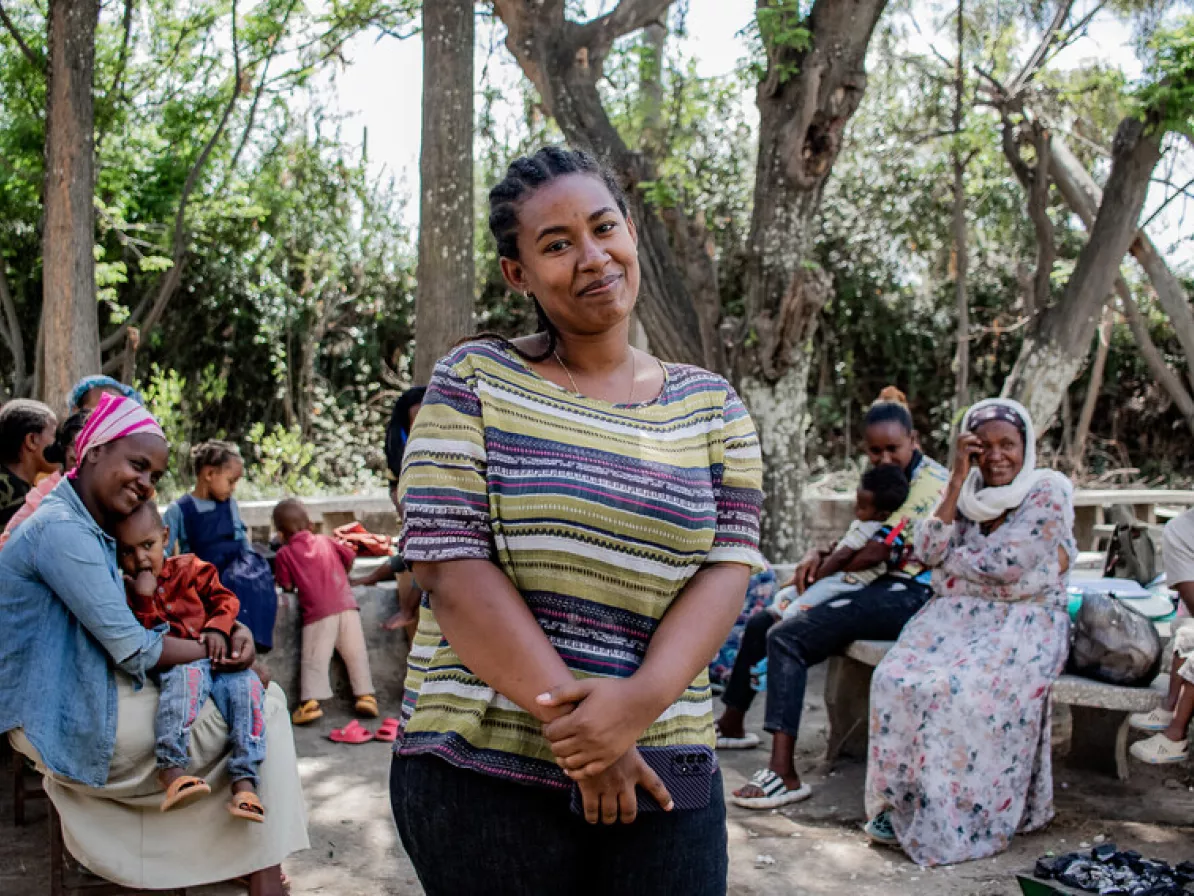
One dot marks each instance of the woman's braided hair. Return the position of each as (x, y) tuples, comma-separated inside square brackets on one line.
[(524, 176), (213, 453)]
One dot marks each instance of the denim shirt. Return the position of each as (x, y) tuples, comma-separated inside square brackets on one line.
[(66, 623)]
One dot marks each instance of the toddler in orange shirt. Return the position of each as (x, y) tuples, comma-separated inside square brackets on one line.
[(184, 594)]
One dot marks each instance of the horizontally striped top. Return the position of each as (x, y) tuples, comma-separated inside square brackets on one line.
[(598, 513)]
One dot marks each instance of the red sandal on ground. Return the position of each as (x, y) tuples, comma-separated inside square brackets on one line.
[(352, 733), (388, 731), (184, 790)]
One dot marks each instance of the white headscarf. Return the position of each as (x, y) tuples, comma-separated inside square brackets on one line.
[(982, 504)]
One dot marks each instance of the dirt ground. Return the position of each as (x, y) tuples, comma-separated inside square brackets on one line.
[(816, 847)]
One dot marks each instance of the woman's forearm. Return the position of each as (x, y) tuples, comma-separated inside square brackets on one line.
[(691, 632), (179, 652), (492, 630)]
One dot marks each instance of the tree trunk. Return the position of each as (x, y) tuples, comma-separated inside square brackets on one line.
[(961, 254), (805, 101), (651, 84), (1057, 344), (445, 294), (1083, 196), (1093, 388), (1166, 378), (69, 304)]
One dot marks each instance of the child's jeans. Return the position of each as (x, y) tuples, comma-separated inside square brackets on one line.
[(239, 696), (340, 633), (819, 592)]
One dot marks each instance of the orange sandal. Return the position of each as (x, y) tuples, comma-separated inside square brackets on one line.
[(184, 790), (247, 805), (307, 713), (367, 706)]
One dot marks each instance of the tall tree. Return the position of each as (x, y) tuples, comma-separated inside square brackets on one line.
[(70, 320), (444, 296), (1058, 341), (961, 257), (810, 82)]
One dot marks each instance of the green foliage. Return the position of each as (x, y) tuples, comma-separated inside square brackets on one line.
[(283, 462), (779, 34), (295, 276), (1169, 90)]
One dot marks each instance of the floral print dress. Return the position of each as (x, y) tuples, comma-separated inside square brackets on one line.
[(959, 730)]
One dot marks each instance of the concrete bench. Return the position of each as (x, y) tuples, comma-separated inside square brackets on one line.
[(1100, 711)]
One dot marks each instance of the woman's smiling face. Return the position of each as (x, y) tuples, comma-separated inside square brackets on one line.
[(1002, 457), (577, 254), (126, 472)]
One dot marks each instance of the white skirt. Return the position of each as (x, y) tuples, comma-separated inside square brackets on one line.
[(118, 831)]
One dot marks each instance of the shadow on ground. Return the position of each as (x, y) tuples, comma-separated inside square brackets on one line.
[(814, 848)]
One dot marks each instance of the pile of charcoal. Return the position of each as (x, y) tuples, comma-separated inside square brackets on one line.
[(1107, 871)]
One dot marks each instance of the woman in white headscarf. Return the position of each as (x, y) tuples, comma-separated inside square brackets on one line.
[(959, 757)]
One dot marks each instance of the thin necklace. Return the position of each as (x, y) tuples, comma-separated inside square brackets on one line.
[(576, 389)]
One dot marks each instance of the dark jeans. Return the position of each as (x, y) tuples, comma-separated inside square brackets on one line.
[(877, 612), (470, 834)]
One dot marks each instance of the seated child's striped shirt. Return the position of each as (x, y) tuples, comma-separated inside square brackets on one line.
[(599, 514)]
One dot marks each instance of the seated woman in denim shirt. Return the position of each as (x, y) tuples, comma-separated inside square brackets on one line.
[(74, 664)]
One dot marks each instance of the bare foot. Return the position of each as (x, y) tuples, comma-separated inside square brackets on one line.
[(167, 776)]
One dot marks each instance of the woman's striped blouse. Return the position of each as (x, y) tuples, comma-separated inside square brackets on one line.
[(598, 513)]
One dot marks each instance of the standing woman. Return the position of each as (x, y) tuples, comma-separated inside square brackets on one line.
[(585, 520), (959, 757)]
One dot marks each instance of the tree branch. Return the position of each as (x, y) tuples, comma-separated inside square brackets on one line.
[(121, 63), (10, 331), (599, 34), (1033, 63), (1038, 211), (34, 58), (1165, 376), (170, 281), (1183, 190)]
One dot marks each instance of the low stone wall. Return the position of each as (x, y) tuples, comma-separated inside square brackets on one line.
[(827, 516), (387, 650)]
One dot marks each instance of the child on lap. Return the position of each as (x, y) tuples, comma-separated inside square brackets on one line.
[(317, 568), (882, 492), (185, 594)]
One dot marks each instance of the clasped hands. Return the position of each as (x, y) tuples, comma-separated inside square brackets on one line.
[(594, 743)]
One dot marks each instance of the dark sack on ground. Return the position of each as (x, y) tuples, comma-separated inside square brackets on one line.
[(1114, 644)]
